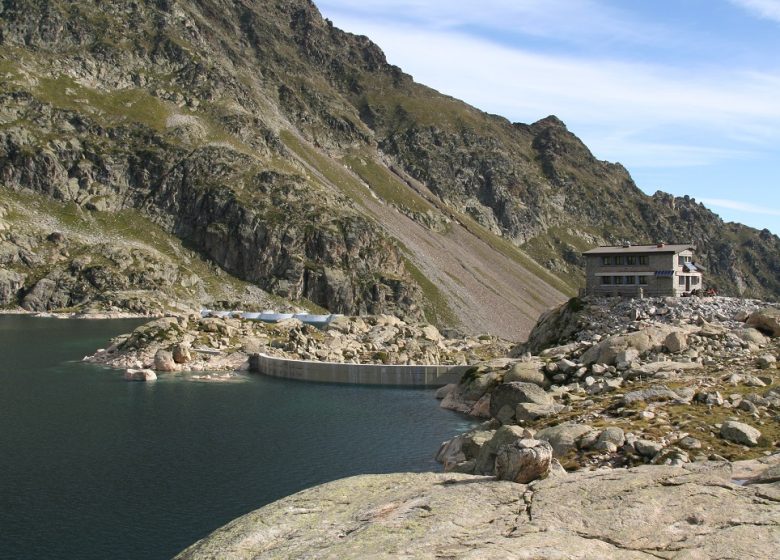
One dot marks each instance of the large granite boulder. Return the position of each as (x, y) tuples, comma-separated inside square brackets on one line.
[(675, 342), (651, 394), (528, 412), (163, 361), (506, 397), (527, 372), (485, 460), (644, 513), (608, 350), (766, 320), (478, 383), (523, 460), (739, 432), (459, 453), (556, 326), (132, 374), (563, 437), (752, 335), (181, 354)]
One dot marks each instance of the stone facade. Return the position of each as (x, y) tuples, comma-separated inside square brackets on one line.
[(642, 270)]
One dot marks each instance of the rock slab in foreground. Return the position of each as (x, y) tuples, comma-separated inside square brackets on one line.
[(642, 513)]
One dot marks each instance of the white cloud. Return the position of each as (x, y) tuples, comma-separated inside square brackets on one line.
[(767, 9), (596, 64), (575, 21), (626, 106), (641, 153), (740, 206)]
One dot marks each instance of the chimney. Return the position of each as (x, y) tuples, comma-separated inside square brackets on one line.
[(660, 244)]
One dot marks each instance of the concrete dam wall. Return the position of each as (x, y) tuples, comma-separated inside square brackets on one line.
[(365, 374)]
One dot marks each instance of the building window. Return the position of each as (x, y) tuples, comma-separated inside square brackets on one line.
[(681, 281), (643, 259), (618, 260), (606, 261), (682, 260), (694, 280), (630, 259), (630, 279), (643, 279), (618, 279), (606, 279)]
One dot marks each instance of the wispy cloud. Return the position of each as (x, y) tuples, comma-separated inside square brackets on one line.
[(559, 19), (641, 153), (725, 111), (686, 103), (740, 206), (767, 9)]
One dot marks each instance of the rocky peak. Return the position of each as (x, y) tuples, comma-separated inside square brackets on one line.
[(550, 121)]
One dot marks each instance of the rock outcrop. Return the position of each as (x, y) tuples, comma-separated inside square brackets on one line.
[(140, 375), (524, 461), (291, 155), (163, 361), (766, 320), (624, 382), (739, 432), (195, 343), (696, 511)]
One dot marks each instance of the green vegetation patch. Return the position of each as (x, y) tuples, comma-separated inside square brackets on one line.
[(386, 185), (554, 243), (437, 311), (128, 105), (331, 171), (425, 106)]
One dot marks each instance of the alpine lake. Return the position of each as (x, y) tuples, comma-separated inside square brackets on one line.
[(94, 466)]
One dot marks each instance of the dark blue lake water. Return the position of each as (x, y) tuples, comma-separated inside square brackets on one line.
[(92, 466)]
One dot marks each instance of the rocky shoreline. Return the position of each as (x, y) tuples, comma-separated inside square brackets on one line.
[(701, 510), (215, 344), (621, 383), (611, 382), (81, 314), (650, 426)]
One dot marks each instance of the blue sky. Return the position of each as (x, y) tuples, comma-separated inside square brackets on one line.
[(684, 93)]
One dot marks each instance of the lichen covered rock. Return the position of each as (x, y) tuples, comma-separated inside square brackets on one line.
[(634, 514)]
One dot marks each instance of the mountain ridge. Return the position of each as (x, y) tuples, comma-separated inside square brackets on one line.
[(292, 155)]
